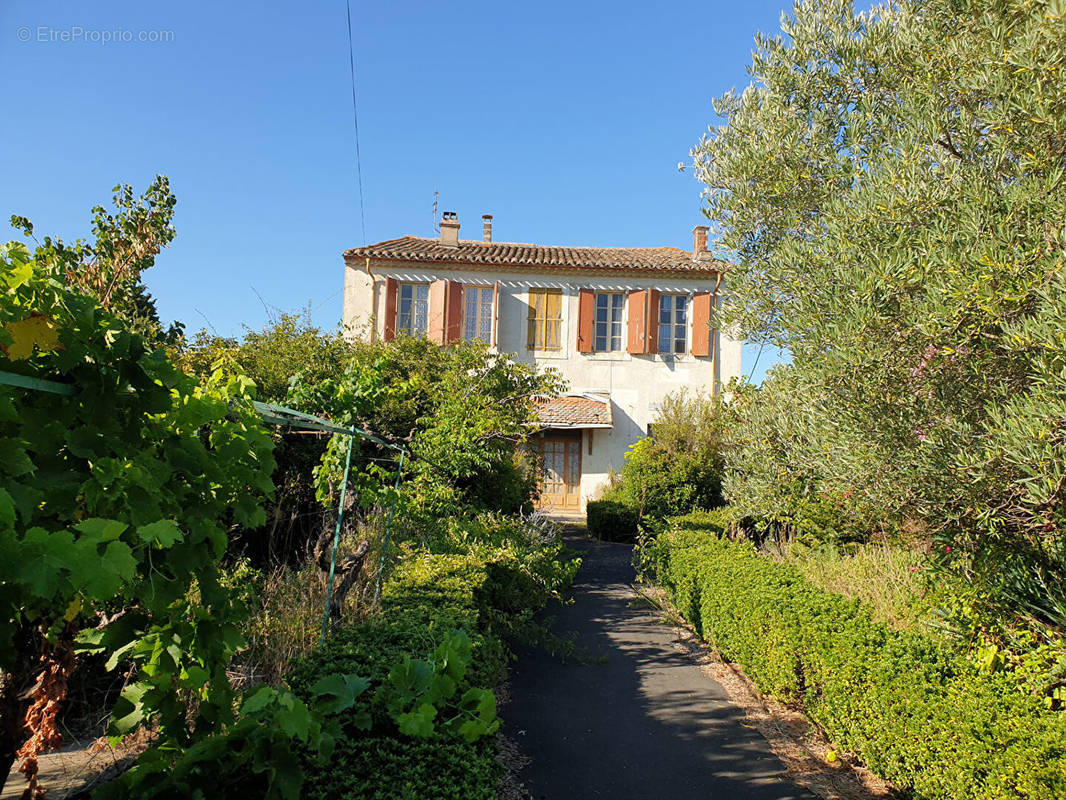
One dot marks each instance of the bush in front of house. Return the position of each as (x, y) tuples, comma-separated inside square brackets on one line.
[(612, 521), (678, 468), (914, 710)]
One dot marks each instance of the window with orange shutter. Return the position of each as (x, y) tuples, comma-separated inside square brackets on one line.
[(478, 303), (412, 311), (608, 321), (673, 323), (545, 319)]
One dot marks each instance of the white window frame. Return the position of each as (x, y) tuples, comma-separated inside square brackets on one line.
[(675, 324), (610, 322), (415, 320), (479, 324)]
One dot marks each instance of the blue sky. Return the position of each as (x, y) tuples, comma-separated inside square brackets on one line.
[(564, 120)]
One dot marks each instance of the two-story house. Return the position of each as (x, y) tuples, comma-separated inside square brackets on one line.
[(625, 326)]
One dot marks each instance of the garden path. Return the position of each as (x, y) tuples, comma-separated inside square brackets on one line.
[(641, 719)]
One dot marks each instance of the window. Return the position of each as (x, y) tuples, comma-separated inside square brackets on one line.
[(477, 313), (412, 310), (608, 321), (673, 323), (545, 319)]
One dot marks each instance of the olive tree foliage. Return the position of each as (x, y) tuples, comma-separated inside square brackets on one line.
[(891, 190)]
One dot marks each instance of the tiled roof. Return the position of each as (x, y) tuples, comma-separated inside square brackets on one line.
[(420, 250), (574, 411)]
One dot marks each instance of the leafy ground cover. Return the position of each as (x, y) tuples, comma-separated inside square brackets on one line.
[(429, 595)]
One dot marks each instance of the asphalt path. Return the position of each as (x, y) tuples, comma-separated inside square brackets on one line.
[(640, 718)]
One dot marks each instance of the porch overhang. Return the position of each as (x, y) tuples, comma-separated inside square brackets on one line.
[(575, 411)]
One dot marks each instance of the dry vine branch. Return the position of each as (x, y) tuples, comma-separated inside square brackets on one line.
[(40, 720)]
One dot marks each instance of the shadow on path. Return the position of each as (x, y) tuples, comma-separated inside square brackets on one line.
[(645, 723)]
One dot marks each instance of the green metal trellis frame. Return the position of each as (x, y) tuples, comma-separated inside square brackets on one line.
[(278, 415)]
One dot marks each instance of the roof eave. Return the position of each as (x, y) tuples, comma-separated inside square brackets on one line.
[(356, 259)]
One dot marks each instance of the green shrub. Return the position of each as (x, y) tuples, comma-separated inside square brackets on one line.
[(387, 768), (912, 709), (679, 468), (611, 521)]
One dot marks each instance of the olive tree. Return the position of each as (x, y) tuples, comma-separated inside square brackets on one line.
[(890, 188)]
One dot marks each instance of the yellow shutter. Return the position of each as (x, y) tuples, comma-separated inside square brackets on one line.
[(552, 320)]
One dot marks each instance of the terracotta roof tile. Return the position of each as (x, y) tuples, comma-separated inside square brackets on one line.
[(420, 250), (570, 411)]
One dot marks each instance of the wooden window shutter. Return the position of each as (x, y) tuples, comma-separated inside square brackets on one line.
[(701, 324), (585, 305), (437, 294), (453, 312), (652, 345), (553, 314), (390, 309), (637, 339), (535, 300), (495, 312)]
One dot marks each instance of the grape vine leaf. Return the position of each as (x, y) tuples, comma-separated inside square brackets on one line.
[(38, 330), (42, 571), (259, 700), (418, 722), (7, 510), (339, 692), (164, 533), (101, 530)]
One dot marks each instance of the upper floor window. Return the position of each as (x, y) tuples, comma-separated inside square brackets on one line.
[(545, 319), (673, 323), (608, 321), (412, 309), (477, 313)]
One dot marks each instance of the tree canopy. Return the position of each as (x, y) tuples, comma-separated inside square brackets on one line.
[(891, 190)]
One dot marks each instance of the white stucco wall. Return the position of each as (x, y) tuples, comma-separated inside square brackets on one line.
[(636, 383)]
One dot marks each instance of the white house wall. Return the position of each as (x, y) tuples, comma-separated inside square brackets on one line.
[(637, 384)]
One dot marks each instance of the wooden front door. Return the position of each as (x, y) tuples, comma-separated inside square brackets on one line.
[(560, 473)]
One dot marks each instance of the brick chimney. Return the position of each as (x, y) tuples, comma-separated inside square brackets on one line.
[(486, 227), (449, 229), (699, 242)]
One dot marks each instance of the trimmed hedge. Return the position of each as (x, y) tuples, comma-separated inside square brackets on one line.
[(611, 521), (913, 710), (427, 596)]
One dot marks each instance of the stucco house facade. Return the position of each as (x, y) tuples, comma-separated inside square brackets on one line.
[(625, 327)]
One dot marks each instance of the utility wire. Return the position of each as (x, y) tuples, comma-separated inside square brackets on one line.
[(355, 117), (753, 366)]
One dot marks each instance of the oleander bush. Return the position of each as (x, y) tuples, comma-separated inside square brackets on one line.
[(678, 468), (911, 707)]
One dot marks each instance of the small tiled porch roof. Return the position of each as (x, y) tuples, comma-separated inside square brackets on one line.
[(575, 411)]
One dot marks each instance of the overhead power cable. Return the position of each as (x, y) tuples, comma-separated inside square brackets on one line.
[(355, 118)]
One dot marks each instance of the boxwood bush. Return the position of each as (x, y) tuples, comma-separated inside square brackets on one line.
[(912, 709), (611, 521)]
